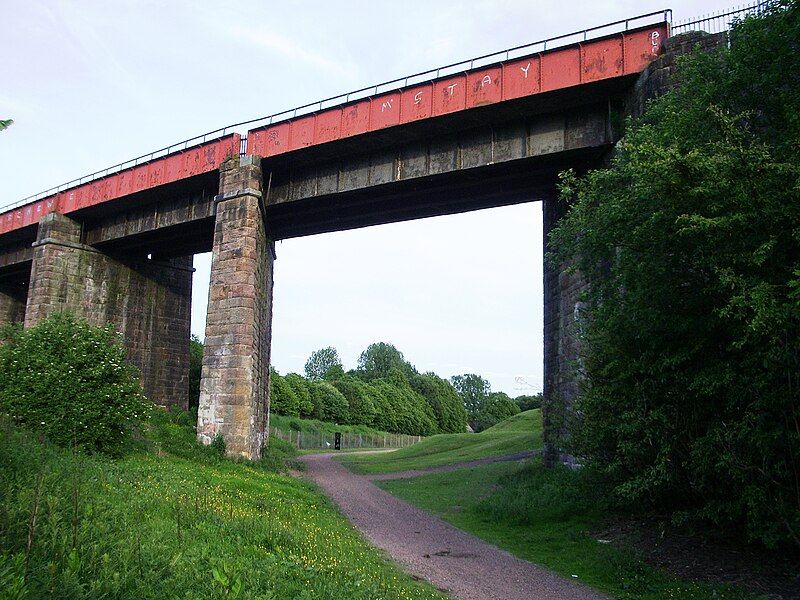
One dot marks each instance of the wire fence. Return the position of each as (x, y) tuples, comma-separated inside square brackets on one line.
[(318, 440), (719, 21)]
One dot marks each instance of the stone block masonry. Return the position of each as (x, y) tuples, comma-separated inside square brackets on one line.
[(12, 307), (234, 389), (148, 302), (562, 314)]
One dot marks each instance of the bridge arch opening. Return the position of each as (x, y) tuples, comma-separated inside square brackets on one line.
[(456, 294)]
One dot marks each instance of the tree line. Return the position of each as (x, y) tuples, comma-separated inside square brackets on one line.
[(384, 391)]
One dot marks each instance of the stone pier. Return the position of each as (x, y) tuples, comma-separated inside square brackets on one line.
[(234, 390), (148, 302), (12, 306), (562, 314)]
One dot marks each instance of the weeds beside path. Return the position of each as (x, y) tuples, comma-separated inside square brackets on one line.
[(177, 521)]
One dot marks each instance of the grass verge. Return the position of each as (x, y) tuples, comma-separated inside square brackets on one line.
[(546, 516), (175, 520), (517, 434), (285, 423)]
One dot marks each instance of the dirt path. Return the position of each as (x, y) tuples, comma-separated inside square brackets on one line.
[(460, 564), (454, 467)]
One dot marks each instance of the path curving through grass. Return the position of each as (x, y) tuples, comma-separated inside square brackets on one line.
[(456, 562)]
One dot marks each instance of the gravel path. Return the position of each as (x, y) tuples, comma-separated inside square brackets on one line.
[(454, 561), (454, 467)]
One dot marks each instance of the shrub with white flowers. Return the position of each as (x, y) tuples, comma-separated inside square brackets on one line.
[(70, 381)]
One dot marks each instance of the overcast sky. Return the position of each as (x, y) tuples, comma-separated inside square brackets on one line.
[(90, 84)]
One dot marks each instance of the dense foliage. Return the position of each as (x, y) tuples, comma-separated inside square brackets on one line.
[(329, 403), (529, 402), (379, 359), (498, 407), (474, 391), (323, 363), (385, 392), (691, 240), (70, 382)]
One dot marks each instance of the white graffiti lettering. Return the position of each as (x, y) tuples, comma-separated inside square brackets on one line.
[(450, 88), (387, 104), (486, 79), (525, 70), (417, 97), (654, 40)]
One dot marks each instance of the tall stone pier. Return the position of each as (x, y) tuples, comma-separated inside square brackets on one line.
[(562, 331), (234, 389), (148, 302)]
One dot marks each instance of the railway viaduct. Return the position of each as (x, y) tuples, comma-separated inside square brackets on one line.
[(117, 246)]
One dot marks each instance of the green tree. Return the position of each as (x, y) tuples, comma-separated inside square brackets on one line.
[(529, 402), (323, 363), (498, 407), (692, 330), (385, 413), (302, 390), (71, 382), (195, 371), (447, 406), (329, 403), (282, 400), (5, 123), (361, 410), (411, 413), (474, 391), (379, 359)]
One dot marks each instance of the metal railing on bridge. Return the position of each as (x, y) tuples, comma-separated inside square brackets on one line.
[(719, 21), (711, 23), (551, 43)]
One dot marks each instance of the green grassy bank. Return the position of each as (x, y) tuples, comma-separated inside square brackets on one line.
[(173, 520), (517, 434), (548, 516)]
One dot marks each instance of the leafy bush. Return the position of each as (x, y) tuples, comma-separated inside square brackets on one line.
[(361, 411), (529, 402), (70, 382), (412, 414), (282, 398), (329, 404), (692, 329), (498, 407), (447, 405), (302, 390)]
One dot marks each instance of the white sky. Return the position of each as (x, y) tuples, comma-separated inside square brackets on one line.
[(90, 84)]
